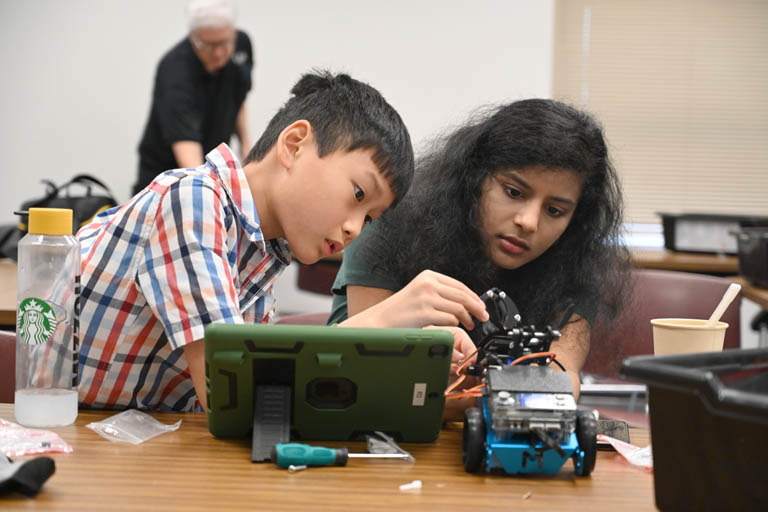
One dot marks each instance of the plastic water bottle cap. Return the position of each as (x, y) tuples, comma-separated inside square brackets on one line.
[(50, 221)]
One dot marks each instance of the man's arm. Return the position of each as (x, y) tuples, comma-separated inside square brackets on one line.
[(194, 354), (241, 130), (188, 153)]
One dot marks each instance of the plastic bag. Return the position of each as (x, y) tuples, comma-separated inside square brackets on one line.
[(380, 442), (639, 457), (16, 440), (131, 426)]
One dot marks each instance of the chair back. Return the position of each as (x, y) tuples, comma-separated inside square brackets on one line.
[(658, 294), (318, 277), (7, 366)]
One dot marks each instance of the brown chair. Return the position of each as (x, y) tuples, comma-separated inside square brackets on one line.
[(318, 277), (303, 319), (7, 366), (658, 294)]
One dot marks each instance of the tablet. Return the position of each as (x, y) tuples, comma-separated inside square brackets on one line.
[(338, 383)]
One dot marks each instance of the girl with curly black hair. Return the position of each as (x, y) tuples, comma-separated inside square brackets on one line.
[(523, 198)]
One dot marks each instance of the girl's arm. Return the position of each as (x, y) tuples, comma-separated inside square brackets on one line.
[(572, 349), (360, 298)]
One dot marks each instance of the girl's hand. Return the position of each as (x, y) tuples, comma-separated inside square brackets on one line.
[(463, 347), (430, 298)]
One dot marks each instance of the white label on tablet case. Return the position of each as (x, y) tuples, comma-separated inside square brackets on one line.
[(419, 393)]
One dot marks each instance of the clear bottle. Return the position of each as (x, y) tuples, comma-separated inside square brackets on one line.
[(47, 320)]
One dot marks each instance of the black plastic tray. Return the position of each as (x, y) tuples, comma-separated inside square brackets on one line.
[(753, 254), (669, 225), (709, 428)]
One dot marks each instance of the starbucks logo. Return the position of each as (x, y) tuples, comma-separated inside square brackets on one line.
[(36, 321)]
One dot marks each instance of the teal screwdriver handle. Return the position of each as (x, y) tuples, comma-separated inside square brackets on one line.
[(298, 454)]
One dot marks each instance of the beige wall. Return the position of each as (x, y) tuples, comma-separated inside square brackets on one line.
[(77, 75)]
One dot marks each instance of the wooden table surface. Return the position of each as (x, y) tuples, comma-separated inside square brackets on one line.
[(663, 259), (7, 292), (752, 292), (190, 470)]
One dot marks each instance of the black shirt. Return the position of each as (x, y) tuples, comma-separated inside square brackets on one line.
[(188, 103)]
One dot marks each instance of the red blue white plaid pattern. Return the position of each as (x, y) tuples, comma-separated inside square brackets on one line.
[(185, 252)]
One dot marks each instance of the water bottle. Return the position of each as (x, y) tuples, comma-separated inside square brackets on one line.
[(47, 320)]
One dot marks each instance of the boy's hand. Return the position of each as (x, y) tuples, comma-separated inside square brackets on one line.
[(430, 298)]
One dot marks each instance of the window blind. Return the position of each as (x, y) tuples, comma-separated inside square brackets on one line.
[(681, 87)]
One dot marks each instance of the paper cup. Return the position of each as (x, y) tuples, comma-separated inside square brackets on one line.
[(686, 335)]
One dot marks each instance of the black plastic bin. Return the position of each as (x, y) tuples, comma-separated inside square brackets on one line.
[(709, 428), (753, 254)]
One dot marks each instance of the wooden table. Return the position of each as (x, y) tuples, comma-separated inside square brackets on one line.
[(191, 470), (663, 259), (752, 292)]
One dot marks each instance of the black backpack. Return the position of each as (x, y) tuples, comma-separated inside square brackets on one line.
[(84, 207)]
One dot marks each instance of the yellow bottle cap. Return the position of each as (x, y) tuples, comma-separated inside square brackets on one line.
[(50, 221)]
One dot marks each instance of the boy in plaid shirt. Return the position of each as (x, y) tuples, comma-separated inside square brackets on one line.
[(205, 245)]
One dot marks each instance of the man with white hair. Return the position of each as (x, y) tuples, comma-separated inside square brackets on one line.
[(199, 94)]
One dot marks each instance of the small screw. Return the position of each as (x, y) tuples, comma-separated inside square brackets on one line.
[(293, 469)]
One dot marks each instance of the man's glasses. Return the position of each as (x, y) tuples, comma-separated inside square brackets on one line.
[(209, 46)]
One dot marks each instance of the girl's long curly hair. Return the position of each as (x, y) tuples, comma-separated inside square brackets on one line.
[(437, 226)]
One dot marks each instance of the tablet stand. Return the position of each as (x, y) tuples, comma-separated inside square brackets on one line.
[(271, 420)]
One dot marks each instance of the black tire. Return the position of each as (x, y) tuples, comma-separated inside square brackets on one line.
[(586, 434), (473, 445)]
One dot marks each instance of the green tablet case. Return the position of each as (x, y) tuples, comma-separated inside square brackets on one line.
[(344, 382)]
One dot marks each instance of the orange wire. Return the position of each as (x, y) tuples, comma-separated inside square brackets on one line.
[(466, 361), (473, 390), (463, 395), (535, 355), (461, 376), (455, 384)]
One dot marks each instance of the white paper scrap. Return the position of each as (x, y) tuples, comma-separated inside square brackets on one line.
[(641, 457)]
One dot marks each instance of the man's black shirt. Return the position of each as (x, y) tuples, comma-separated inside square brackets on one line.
[(188, 103)]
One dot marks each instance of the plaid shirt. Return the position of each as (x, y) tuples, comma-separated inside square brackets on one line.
[(185, 252)]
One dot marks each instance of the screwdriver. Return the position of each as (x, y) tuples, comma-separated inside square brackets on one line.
[(298, 454)]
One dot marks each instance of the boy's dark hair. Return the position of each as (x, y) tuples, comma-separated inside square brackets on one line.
[(346, 114), (586, 266)]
